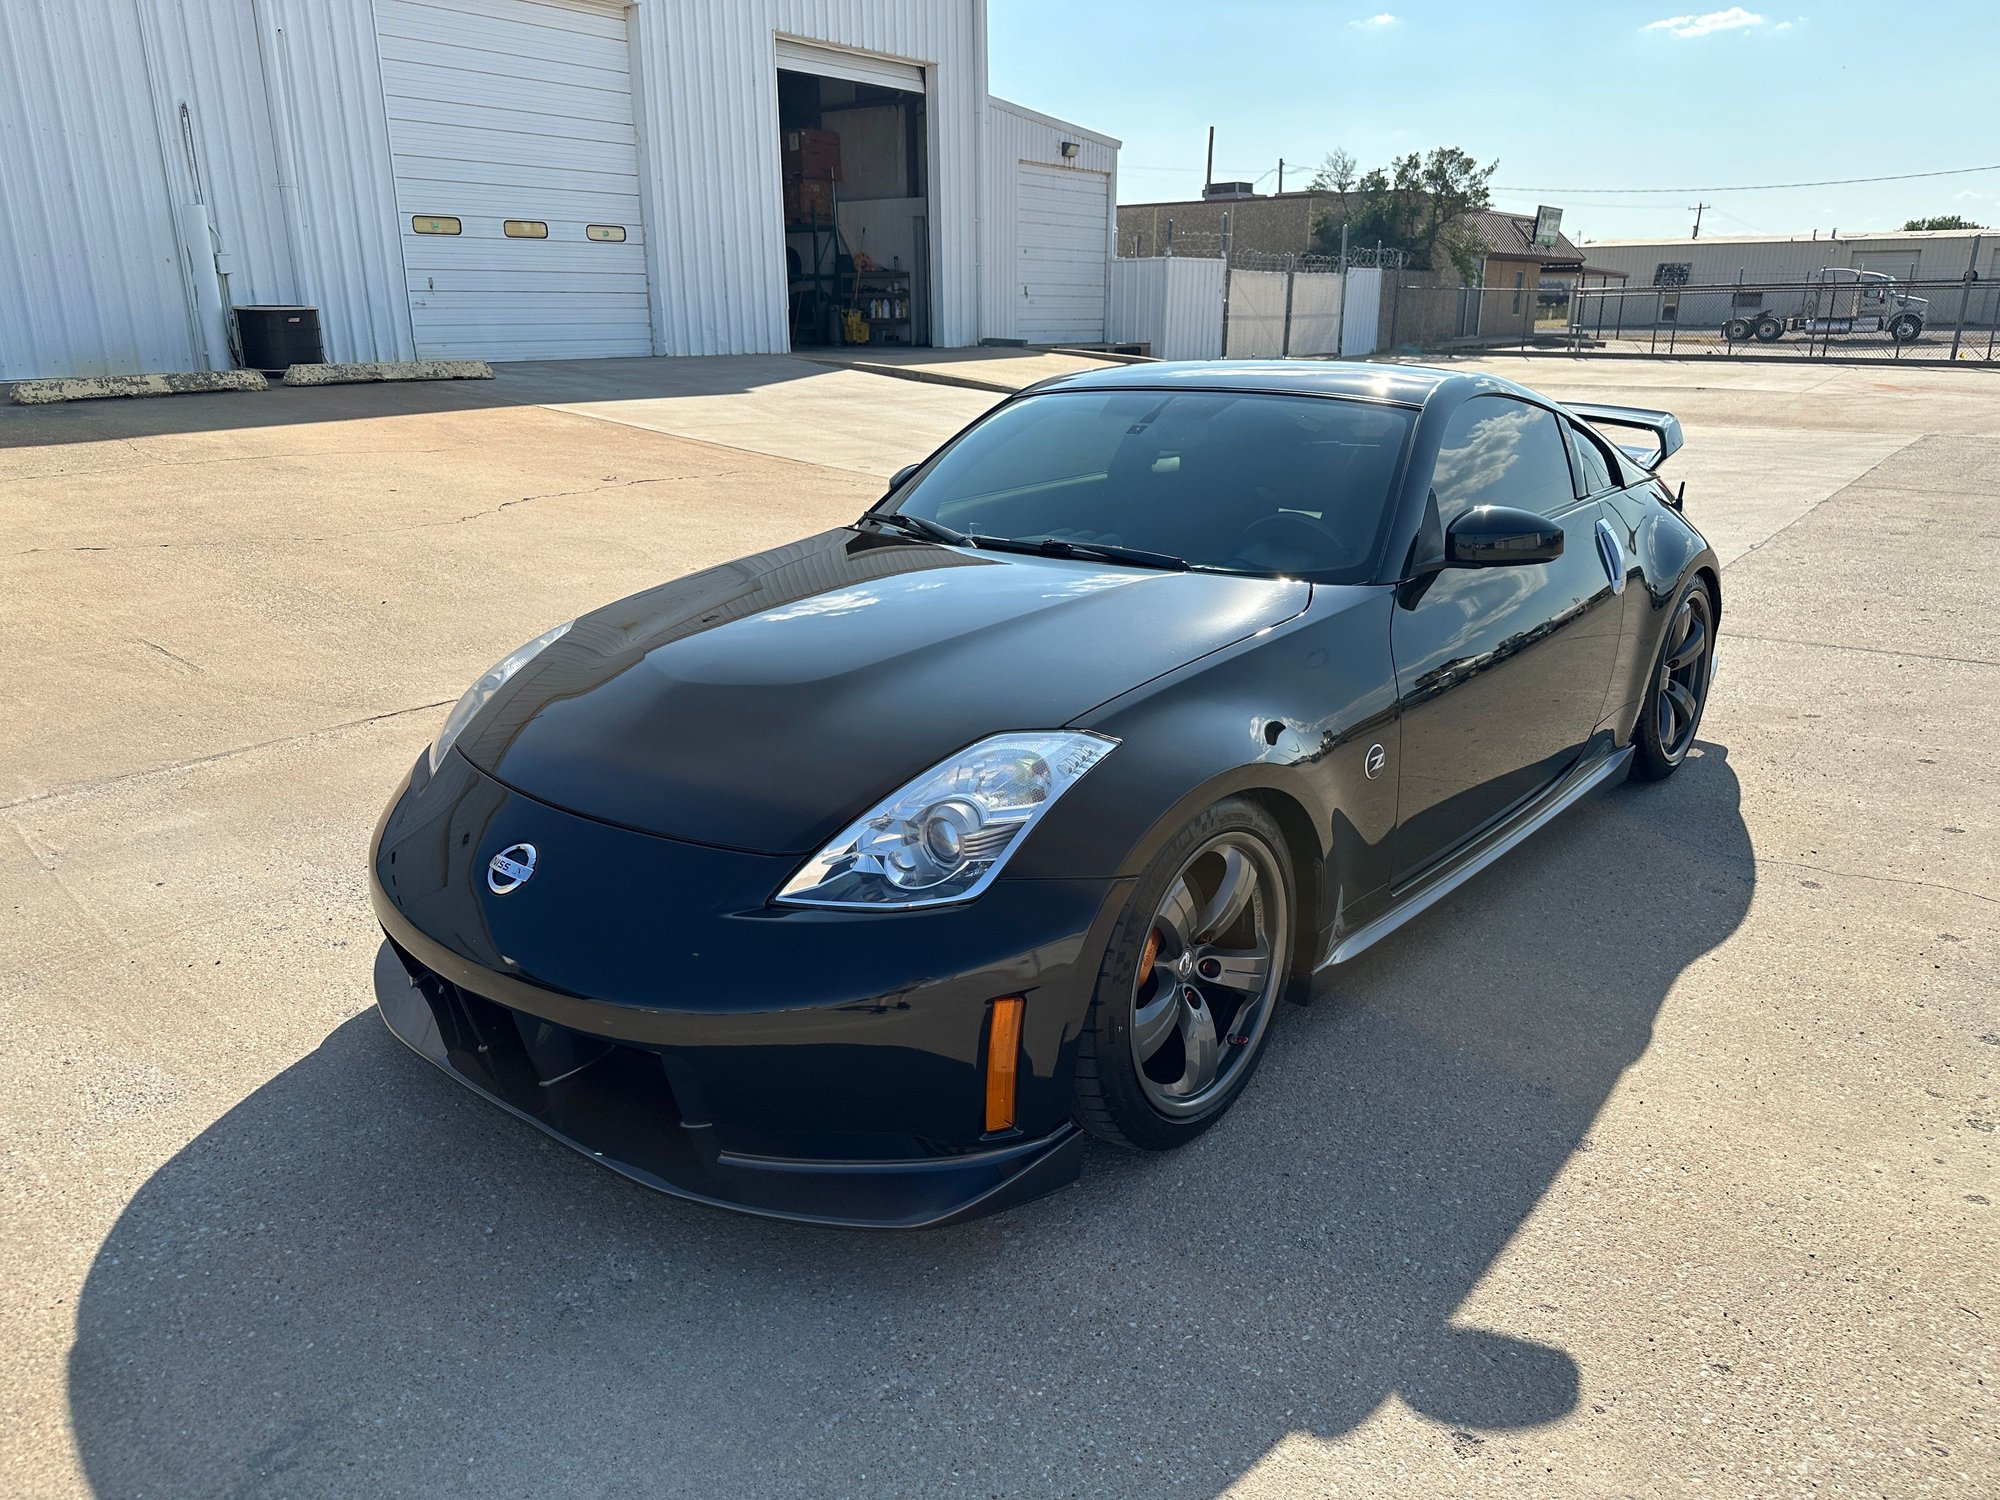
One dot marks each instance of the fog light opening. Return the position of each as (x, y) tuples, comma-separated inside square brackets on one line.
[(1003, 1061)]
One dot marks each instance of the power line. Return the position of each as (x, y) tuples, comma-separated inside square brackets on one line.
[(1760, 187)]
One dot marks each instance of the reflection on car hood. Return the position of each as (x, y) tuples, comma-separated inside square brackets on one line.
[(766, 703)]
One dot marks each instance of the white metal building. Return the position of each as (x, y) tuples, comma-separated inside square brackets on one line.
[(1721, 259), (518, 179)]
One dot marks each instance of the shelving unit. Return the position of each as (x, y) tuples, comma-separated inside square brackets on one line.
[(885, 284), (821, 276)]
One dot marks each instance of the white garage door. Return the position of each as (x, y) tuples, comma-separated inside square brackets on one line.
[(510, 122), (1065, 239)]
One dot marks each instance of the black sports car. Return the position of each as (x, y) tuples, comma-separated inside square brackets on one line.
[(853, 881)]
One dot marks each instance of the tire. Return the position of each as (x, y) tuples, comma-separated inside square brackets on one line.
[(1769, 330), (1736, 330), (1905, 327), (1141, 1055), (1669, 720)]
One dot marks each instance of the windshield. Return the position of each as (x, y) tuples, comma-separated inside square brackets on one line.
[(1255, 483)]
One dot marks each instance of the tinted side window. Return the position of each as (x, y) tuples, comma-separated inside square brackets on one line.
[(1499, 451), (1590, 459)]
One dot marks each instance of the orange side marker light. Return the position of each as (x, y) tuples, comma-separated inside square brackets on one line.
[(1003, 1061)]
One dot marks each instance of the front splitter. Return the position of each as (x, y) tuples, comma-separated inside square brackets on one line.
[(672, 1159)]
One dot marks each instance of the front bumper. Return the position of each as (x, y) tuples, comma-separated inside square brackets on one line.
[(641, 1001)]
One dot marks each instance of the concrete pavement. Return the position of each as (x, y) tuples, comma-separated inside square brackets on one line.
[(1657, 1161)]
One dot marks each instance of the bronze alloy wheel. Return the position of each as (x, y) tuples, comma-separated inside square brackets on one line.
[(1209, 973)]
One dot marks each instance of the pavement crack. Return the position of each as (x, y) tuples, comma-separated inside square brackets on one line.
[(591, 489), (1928, 885), (368, 531), (173, 656), (99, 783), (1781, 640)]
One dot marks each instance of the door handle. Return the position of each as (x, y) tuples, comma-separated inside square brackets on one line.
[(1611, 555)]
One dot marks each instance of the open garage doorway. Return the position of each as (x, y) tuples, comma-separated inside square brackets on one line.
[(854, 140)]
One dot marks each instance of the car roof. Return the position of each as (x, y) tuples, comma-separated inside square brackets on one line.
[(1407, 385)]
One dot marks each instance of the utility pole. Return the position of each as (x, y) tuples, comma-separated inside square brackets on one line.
[(1281, 175), (1208, 172), (1698, 207)]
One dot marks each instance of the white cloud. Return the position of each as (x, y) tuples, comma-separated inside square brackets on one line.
[(1732, 19), (1376, 22)]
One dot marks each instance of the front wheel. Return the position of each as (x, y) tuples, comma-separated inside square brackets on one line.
[(1193, 971), (1679, 692), (1905, 328)]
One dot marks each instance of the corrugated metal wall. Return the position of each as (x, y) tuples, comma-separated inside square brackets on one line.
[(94, 157), (1014, 135), (709, 107), (332, 130), (286, 109), (1171, 302), (90, 274), (211, 63)]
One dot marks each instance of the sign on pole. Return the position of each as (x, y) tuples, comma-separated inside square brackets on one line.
[(1548, 225)]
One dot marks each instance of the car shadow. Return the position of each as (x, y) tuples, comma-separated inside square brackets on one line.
[(363, 1279)]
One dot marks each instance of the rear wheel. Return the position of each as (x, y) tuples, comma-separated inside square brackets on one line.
[(1769, 330), (1679, 691), (1736, 330), (1192, 974)]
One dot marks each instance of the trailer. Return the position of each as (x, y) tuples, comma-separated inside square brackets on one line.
[(1840, 300)]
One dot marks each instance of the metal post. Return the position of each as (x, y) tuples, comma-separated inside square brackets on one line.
[(1395, 307), (1291, 271), (1225, 285), (1343, 249), (1965, 295), (1170, 239)]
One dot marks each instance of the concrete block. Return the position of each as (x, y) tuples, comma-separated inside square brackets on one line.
[(97, 387), (404, 369)]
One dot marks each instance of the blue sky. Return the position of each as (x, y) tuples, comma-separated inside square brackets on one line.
[(1572, 98)]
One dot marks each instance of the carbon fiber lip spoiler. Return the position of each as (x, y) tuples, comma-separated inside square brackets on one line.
[(1664, 426)]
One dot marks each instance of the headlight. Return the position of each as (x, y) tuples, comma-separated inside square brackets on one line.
[(945, 836), (495, 678)]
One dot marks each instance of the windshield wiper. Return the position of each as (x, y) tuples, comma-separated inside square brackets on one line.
[(917, 526), (1055, 546), (1046, 546)]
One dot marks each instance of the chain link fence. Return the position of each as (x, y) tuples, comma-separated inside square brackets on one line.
[(1932, 298)]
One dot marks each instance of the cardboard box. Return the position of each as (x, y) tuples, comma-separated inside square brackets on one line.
[(807, 198), (812, 153)]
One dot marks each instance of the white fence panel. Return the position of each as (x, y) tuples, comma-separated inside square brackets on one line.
[(1361, 318), (1256, 315), (1170, 303), (1316, 303)]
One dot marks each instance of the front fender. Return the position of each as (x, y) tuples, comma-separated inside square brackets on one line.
[(1289, 715)]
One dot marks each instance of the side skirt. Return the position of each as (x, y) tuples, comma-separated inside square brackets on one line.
[(1565, 794)]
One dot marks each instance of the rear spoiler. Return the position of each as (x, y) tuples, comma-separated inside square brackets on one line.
[(1664, 427)]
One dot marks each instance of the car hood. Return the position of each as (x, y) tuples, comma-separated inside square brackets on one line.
[(765, 704)]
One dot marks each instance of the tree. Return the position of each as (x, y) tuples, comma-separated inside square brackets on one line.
[(1418, 205), (1336, 174), (1943, 221)]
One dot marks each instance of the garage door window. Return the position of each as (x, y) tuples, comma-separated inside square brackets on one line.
[(610, 234), (434, 224), (526, 229)]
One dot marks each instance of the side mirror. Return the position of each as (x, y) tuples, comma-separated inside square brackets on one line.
[(1498, 536), (897, 479)]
